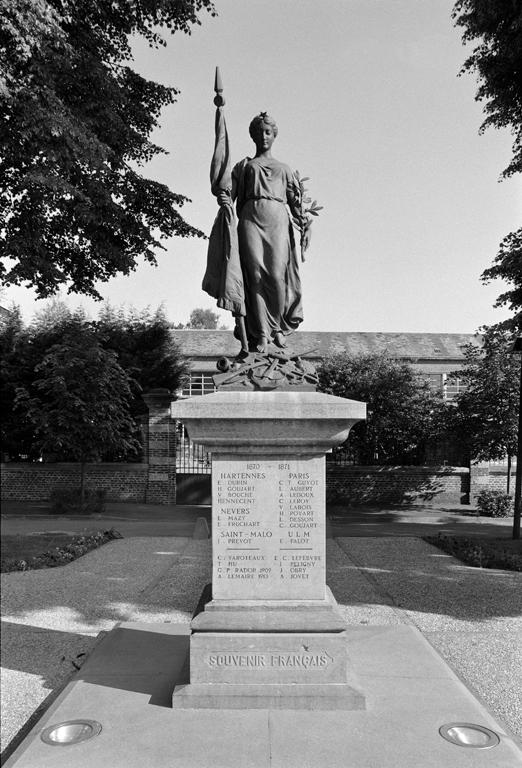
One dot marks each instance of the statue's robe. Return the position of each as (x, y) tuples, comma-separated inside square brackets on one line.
[(267, 249)]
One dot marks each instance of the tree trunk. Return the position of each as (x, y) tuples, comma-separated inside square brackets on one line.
[(82, 486), (508, 480)]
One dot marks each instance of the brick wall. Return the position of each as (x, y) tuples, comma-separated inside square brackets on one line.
[(152, 481), (161, 448), (396, 485), (491, 475), (33, 482), (347, 485)]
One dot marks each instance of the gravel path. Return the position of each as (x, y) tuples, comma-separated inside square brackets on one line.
[(52, 617), (471, 616)]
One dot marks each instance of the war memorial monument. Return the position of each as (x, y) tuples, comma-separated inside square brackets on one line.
[(269, 674), (268, 632)]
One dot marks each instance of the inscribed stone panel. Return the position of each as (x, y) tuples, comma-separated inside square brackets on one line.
[(268, 522)]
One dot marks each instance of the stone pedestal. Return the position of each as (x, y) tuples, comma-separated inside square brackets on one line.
[(268, 633)]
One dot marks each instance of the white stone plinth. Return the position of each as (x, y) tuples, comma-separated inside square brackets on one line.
[(278, 423), (270, 620)]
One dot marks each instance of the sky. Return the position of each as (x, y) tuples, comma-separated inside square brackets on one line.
[(369, 106)]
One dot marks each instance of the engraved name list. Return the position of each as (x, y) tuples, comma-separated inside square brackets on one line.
[(269, 529)]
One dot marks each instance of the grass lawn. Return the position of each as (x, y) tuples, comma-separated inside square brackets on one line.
[(17, 547), (481, 551)]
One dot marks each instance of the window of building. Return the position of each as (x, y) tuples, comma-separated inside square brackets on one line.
[(449, 386), (452, 386), (435, 381)]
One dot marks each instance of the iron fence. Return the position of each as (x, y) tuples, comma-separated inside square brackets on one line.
[(190, 458)]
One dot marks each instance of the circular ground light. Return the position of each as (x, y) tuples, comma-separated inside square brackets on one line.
[(469, 735), (70, 732)]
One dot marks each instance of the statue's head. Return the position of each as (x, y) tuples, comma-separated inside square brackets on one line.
[(263, 118)]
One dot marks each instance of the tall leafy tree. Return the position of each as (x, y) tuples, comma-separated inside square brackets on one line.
[(508, 266), (142, 345), (75, 130), (22, 348), (402, 408), (203, 318), (16, 370), (495, 28), (79, 402), (486, 413), (145, 348)]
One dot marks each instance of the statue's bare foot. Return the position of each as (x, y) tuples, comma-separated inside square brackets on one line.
[(261, 345), (279, 340)]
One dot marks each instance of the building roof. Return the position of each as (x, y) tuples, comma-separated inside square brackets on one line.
[(447, 347)]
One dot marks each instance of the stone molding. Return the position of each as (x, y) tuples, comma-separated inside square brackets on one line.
[(281, 423)]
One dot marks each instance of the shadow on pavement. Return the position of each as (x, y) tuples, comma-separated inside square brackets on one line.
[(431, 582), (50, 654), (132, 519), (414, 520)]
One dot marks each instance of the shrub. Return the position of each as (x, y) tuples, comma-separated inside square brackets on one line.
[(494, 504), (79, 546), (67, 501), (481, 553)]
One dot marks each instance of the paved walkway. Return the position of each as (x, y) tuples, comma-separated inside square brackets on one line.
[(52, 617), (129, 519), (170, 520)]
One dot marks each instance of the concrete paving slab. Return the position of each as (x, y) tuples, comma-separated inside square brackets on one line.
[(395, 651), (127, 686), (160, 580), (380, 739), (135, 733), (406, 704), (128, 660)]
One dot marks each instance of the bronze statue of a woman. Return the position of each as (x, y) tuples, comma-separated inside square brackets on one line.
[(262, 188), (253, 266)]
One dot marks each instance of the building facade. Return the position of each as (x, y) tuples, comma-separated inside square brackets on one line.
[(433, 356), (175, 470)]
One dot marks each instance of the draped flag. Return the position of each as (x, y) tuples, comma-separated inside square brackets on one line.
[(223, 278)]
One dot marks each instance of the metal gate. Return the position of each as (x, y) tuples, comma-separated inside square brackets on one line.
[(190, 459), (193, 463), (193, 470)]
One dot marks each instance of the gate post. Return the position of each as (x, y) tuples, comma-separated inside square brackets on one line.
[(161, 484)]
